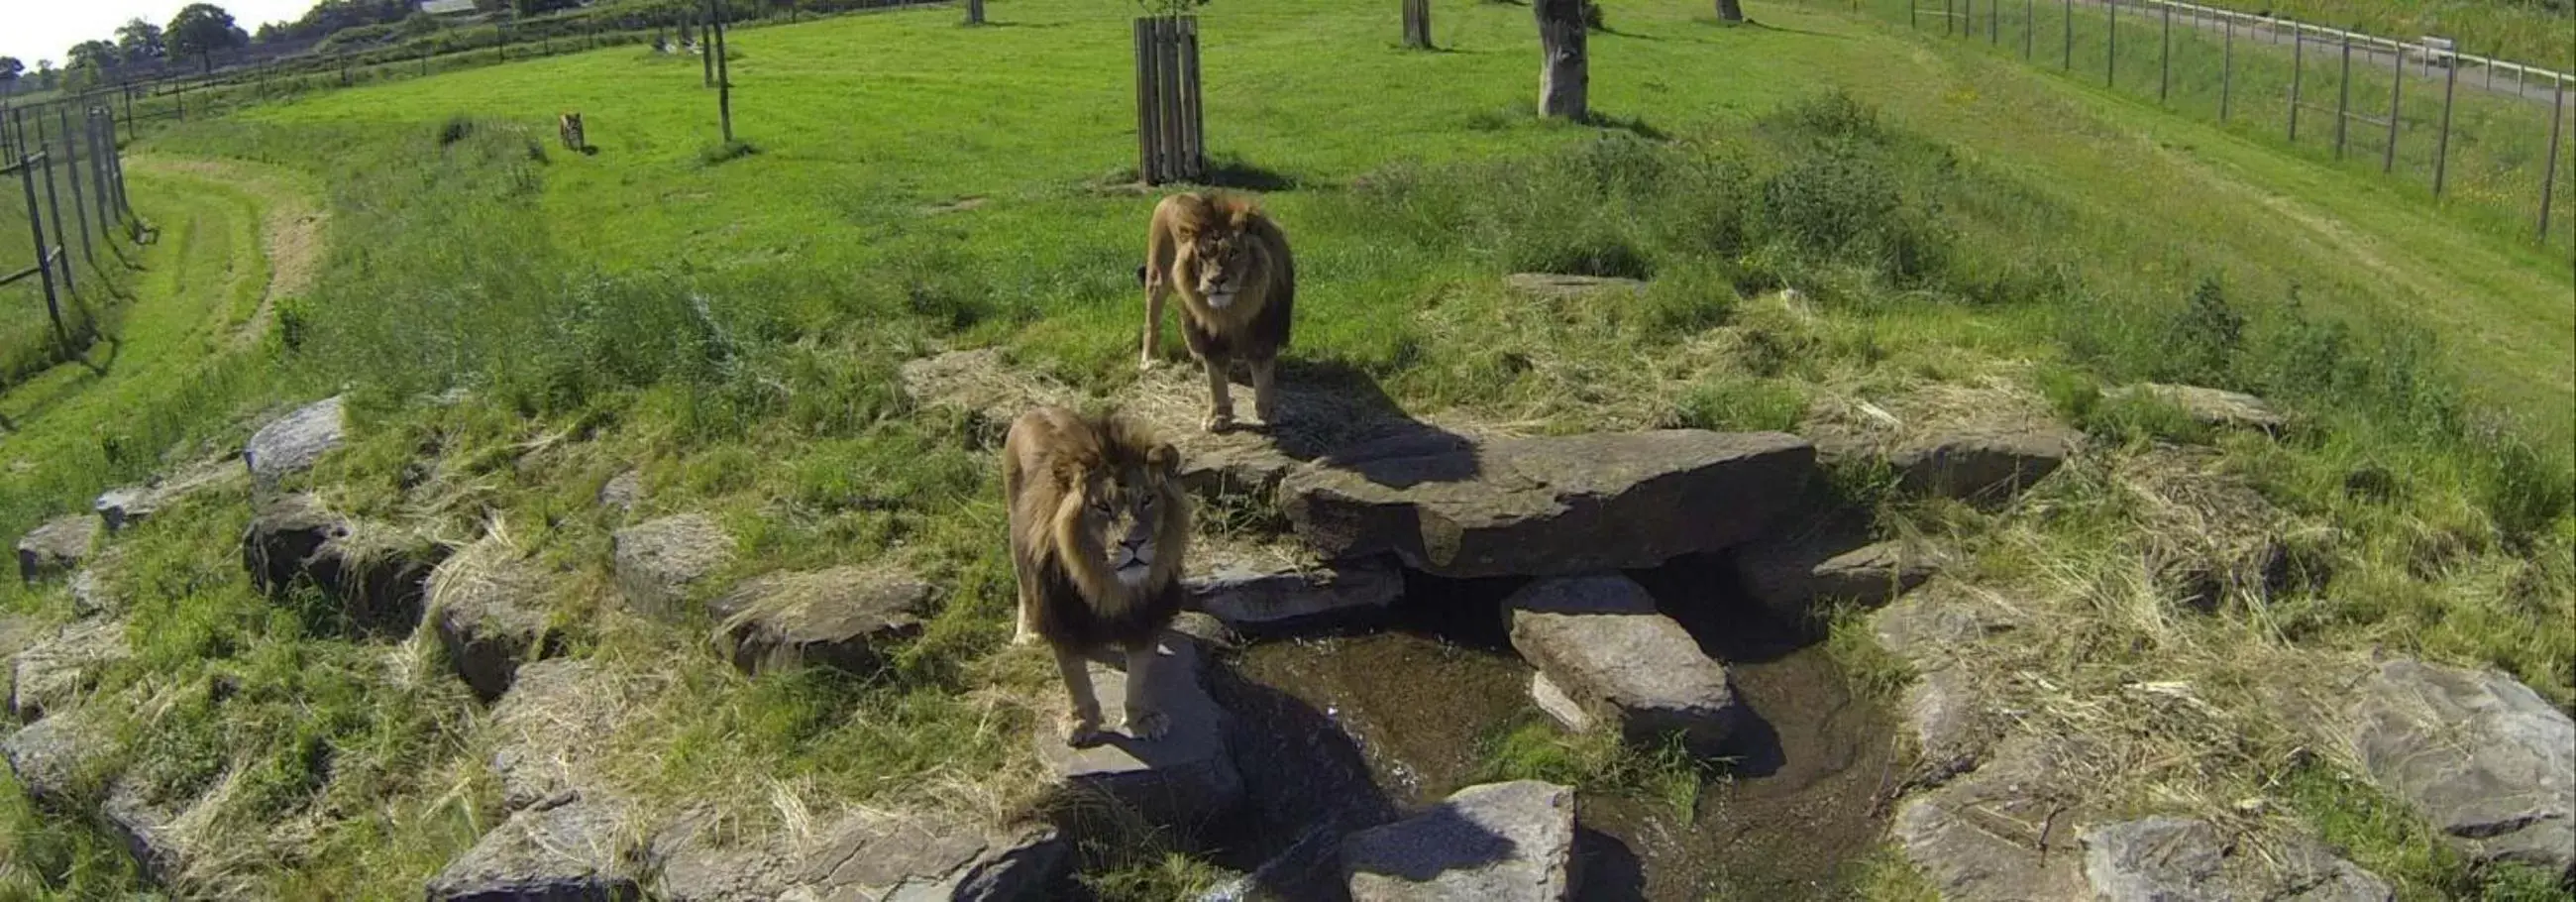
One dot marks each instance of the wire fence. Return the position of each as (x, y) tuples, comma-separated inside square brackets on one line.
[(63, 212), (2480, 136)]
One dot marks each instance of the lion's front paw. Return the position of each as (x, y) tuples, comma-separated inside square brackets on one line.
[(1082, 732), (1147, 363), (1218, 422), (1147, 723)]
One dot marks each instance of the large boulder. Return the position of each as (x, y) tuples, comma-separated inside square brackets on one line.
[(2176, 859), (1545, 506), (1260, 597), (569, 849), (845, 618), (2003, 833), (1186, 777), (377, 577), (490, 616), (55, 671), (660, 562), (1499, 842), (55, 759), (1982, 464), (868, 855), (551, 726), (2485, 759), (1599, 641), (54, 548), (293, 443)]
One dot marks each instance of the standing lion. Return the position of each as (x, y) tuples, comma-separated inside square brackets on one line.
[(1099, 528), (1230, 265)]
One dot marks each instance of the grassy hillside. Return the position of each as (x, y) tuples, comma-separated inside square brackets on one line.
[(1964, 233), (2529, 31)]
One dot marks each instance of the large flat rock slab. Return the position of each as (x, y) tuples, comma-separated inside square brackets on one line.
[(551, 726), (869, 855), (490, 615), (845, 618), (295, 442), (378, 577), (57, 670), (2004, 833), (55, 759), (1546, 506), (1499, 842), (1185, 777), (1261, 593), (661, 562), (1983, 464), (2177, 859), (120, 509), (55, 547), (2485, 759), (2210, 406), (1600, 643)]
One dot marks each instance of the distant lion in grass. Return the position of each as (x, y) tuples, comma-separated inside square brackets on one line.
[(568, 126), (1230, 264), (1099, 528)]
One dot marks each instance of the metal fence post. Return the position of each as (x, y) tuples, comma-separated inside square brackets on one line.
[(2111, 59), (2442, 148), (2396, 92), (53, 199), (1994, 22), (2066, 17), (2164, 58), (44, 267), (2298, 73), (2029, 26), (2549, 173), (80, 201), (2343, 96), (2226, 63)]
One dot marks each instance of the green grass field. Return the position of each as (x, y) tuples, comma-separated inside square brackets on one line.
[(1963, 227)]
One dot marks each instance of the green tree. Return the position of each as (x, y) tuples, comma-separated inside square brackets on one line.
[(9, 69), (45, 80), (92, 55), (200, 29), (139, 40)]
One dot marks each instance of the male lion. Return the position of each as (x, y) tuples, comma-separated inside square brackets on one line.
[(568, 127), (1237, 284), (1098, 531)]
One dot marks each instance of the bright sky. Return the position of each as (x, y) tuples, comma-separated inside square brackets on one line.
[(34, 30)]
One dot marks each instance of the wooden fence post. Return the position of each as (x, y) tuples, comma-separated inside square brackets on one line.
[(2029, 27), (44, 271), (2298, 73), (2226, 64), (974, 12), (1167, 57), (53, 200), (2066, 17), (1417, 24), (2343, 95), (2164, 58), (2549, 172), (2396, 91), (80, 199), (1994, 22), (1193, 122), (706, 64), (724, 72), (2111, 60), (1148, 122), (2442, 148)]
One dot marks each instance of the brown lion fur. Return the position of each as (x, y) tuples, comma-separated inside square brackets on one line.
[(568, 126), (1210, 247), (1058, 466)]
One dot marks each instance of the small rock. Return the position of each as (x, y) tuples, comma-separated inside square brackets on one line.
[(2487, 760), (845, 618), (2210, 406), (151, 833), (54, 758), (91, 595), (551, 726), (1232, 465), (121, 508), (1557, 704), (56, 671), (54, 548), (622, 491), (660, 561), (1569, 287), (378, 585), (568, 849), (1600, 640), (1982, 464), (291, 444), (1258, 600), (1499, 842), (490, 618), (1184, 778), (2002, 832), (1546, 506), (1952, 728), (2174, 859)]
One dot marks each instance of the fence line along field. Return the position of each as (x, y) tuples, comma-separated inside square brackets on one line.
[(594, 411)]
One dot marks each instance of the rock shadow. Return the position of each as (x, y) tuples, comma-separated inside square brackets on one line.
[(1336, 415), (1307, 784)]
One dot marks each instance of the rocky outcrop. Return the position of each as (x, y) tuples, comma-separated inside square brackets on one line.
[(2488, 761), (846, 618), (55, 671), (293, 443), (868, 855), (1186, 777), (377, 579), (2003, 832), (2210, 406), (1545, 506), (2174, 859), (1600, 642), (569, 848), (54, 548), (1500, 842), (120, 509), (491, 619), (1945, 710), (1261, 598), (1828, 558), (1982, 464), (55, 758), (660, 562)]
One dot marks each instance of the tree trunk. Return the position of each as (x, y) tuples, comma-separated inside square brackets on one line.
[(1563, 78), (1730, 10)]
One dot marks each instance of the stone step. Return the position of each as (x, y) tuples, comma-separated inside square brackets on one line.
[(292, 443), (1265, 595), (660, 563), (1607, 655), (1499, 842), (867, 855), (845, 618), (1184, 778), (55, 547)]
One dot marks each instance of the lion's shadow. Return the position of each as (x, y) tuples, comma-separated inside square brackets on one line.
[(1336, 415)]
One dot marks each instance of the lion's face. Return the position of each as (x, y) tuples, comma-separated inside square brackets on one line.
[(1122, 518), (1220, 266)]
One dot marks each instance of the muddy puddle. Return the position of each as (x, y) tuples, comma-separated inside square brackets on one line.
[(1344, 732)]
